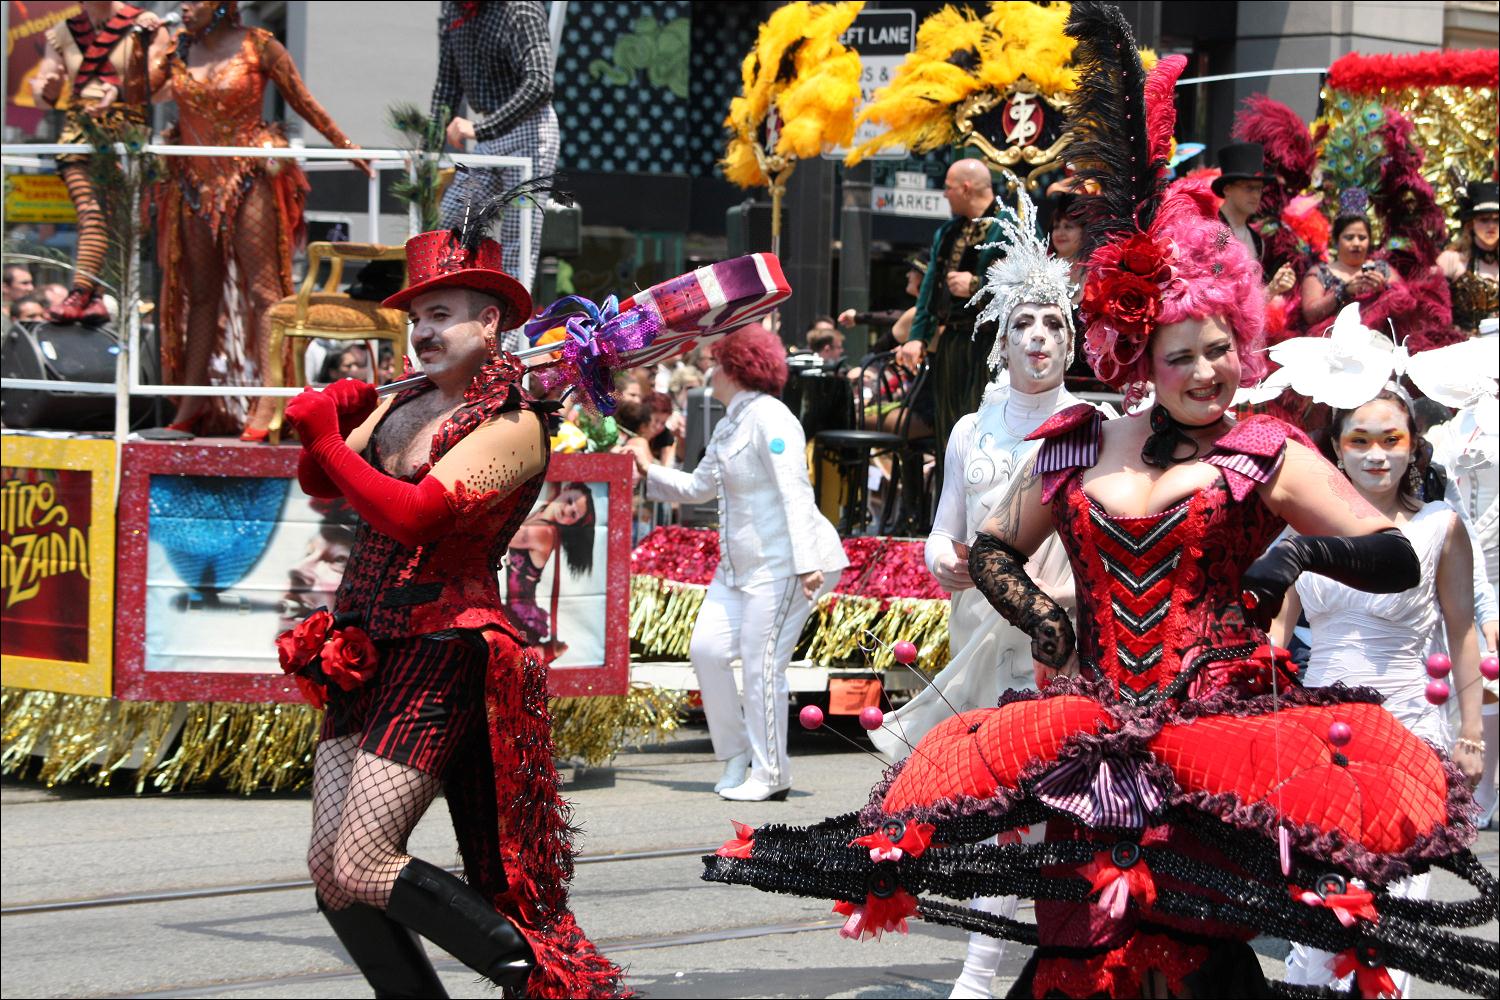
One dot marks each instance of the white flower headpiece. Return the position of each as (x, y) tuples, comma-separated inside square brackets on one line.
[(1350, 366), (1027, 273)]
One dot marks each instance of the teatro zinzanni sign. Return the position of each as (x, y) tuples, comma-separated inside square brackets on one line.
[(37, 541)]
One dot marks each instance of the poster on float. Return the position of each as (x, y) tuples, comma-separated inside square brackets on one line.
[(565, 576), (57, 541), (222, 551)]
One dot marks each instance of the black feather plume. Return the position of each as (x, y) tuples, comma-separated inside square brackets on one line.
[(480, 217), (1107, 120)]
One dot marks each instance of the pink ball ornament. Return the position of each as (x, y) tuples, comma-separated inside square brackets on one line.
[(1438, 691), (871, 718), (1489, 667), (811, 716), (1438, 665), (904, 652), (1340, 733)]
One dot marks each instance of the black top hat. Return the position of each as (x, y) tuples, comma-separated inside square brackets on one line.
[(1478, 196), (1240, 161)]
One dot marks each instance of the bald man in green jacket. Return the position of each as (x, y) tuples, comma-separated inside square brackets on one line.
[(943, 327)]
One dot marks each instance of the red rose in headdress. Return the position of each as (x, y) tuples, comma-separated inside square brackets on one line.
[(1149, 258), (296, 647), (349, 658), (1130, 302)]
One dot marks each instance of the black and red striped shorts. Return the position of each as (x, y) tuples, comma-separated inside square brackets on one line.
[(424, 703)]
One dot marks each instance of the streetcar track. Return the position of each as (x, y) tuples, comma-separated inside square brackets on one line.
[(443, 964), (254, 888)]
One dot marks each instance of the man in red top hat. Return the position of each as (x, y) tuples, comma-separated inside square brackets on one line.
[(427, 684)]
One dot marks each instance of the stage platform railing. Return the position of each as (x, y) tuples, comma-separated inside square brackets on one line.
[(127, 372)]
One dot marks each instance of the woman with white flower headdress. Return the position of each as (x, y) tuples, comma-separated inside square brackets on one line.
[(1029, 294), (1380, 641)]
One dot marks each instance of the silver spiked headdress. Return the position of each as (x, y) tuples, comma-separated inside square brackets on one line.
[(1027, 273)]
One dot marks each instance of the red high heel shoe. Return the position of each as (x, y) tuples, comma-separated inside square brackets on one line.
[(255, 435)]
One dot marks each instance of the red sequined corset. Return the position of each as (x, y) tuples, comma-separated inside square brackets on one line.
[(453, 582), (1158, 596), (224, 109)]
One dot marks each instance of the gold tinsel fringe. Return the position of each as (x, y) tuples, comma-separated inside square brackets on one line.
[(592, 730), (917, 620), (64, 738), (841, 620), (662, 613)]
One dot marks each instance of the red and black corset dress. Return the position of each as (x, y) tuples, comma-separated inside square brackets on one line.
[(395, 591), (1194, 795)]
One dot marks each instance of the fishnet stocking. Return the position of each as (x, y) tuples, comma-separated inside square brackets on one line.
[(384, 802), (255, 243), (333, 766), (252, 240), (93, 239)]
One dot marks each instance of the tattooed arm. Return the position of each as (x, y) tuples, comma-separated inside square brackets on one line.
[(997, 564)]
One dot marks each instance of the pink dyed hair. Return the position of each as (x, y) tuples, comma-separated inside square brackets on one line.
[(1213, 275), (754, 357)]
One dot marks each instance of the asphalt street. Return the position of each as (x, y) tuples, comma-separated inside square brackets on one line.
[(111, 895)]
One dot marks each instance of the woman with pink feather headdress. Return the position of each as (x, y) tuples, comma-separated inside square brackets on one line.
[(1194, 795)]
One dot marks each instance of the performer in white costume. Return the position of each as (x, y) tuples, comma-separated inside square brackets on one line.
[(1380, 640), (1029, 294), (778, 555)]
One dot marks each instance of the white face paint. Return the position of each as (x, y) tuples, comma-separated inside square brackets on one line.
[(1036, 347)]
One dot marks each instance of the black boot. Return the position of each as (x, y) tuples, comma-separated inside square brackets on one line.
[(389, 955), (445, 910)]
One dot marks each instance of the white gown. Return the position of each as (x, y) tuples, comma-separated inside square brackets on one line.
[(1380, 641), (987, 452)]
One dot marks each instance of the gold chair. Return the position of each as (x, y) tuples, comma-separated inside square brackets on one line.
[(331, 315)]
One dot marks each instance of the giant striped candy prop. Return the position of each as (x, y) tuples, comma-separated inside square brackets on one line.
[(695, 309)]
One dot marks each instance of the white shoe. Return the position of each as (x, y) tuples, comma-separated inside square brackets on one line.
[(753, 790), (736, 770)]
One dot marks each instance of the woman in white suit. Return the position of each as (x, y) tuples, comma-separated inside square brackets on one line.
[(777, 555)]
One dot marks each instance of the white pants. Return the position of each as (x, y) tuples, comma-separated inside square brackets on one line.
[(759, 624)]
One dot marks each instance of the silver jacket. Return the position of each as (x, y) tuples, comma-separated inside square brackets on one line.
[(756, 467)]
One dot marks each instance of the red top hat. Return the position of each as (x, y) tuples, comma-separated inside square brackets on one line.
[(436, 260)]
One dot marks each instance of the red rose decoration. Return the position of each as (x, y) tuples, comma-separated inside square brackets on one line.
[(297, 647), (1132, 304), (349, 658), (316, 694), (1143, 256)]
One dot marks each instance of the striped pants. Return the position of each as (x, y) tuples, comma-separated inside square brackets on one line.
[(759, 625)]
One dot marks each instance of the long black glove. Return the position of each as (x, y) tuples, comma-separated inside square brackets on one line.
[(999, 571), (1382, 563)]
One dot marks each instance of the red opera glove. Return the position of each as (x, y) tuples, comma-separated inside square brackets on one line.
[(313, 415), (411, 513), (354, 400)]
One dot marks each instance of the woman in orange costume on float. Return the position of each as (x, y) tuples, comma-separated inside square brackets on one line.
[(215, 212)]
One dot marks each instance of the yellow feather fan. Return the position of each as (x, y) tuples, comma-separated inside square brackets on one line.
[(916, 107), (1027, 40), (801, 70), (959, 54)]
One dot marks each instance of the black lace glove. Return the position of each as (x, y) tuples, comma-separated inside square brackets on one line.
[(1382, 563), (999, 571)]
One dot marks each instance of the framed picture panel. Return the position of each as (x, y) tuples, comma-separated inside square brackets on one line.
[(57, 563), (220, 551)]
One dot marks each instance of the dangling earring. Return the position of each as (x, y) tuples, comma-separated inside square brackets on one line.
[(1414, 482)]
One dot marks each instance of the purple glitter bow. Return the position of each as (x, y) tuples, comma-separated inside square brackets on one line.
[(1111, 793), (596, 338)]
